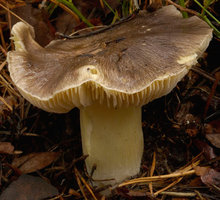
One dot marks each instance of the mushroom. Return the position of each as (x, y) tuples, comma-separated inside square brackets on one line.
[(109, 76)]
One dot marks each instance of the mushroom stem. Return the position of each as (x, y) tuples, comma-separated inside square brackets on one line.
[(113, 139)]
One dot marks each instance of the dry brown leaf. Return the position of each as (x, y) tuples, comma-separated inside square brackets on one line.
[(208, 176), (6, 147), (34, 161), (29, 188)]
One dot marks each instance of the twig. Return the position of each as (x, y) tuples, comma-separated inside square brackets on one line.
[(169, 186), (14, 14), (152, 172), (204, 73), (184, 9), (80, 184), (199, 195), (2, 65), (180, 194), (7, 105), (157, 178), (179, 173), (3, 50), (2, 38), (9, 86), (130, 17), (84, 29), (86, 184)]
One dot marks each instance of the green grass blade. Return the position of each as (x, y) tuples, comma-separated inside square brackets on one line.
[(76, 11), (182, 3), (210, 14), (216, 31), (206, 4), (110, 8)]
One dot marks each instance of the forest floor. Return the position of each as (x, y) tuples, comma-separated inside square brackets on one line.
[(181, 158)]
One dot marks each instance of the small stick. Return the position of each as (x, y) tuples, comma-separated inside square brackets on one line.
[(180, 194), (80, 184), (7, 105), (169, 186), (204, 73), (86, 184), (184, 9), (3, 50), (2, 65), (13, 14), (2, 38), (152, 172), (8, 86), (157, 178)]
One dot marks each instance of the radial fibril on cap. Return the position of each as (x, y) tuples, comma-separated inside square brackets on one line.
[(112, 73)]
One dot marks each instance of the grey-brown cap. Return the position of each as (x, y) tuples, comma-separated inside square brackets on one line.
[(130, 64)]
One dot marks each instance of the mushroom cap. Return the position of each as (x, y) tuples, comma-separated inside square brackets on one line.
[(129, 64)]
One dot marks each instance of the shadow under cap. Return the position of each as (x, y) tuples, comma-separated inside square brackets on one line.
[(130, 64)]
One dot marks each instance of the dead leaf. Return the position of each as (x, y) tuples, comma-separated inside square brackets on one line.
[(6, 148), (34, 161), (29, 188), (208, 176)]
